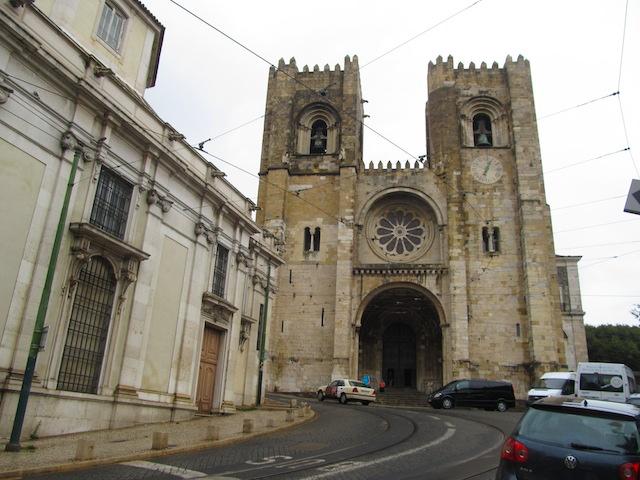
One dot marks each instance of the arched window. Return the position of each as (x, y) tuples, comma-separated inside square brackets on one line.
[(491, 239), (316, 239), (318, 143), (307, 239), (318, 130), (88, 328), (482, 136)]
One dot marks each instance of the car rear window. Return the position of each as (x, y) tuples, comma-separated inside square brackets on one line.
[(598, 432), (355, 383)]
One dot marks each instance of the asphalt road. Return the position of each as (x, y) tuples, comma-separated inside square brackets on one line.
[(344, 442)]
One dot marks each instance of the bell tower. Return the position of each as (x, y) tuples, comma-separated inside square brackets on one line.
[(311, 158), (483, 139)]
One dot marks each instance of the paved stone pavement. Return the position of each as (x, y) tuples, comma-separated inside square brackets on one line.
[(58, 454)]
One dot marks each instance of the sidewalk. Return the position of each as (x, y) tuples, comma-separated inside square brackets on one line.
[(82, 450)]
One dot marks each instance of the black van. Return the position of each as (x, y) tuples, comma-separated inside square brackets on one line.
[(487, 394)]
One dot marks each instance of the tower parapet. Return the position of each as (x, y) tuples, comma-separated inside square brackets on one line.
[(443, 73)]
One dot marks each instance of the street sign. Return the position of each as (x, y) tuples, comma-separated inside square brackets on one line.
[(633, 199)]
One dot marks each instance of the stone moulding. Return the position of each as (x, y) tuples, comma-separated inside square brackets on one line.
[(217, 309), (400, 269)]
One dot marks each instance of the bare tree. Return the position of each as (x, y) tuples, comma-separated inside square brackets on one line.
[(635, 311)]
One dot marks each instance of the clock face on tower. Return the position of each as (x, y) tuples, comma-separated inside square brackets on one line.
[(486, 169)]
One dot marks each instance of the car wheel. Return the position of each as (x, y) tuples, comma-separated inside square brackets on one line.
[(365, 403), (320, 395), (447, 403), (501, 406), (343, 399)]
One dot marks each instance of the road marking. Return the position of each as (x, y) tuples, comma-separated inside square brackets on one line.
[(447, 435), (331, 452), (267, 460), (169, 469), (303, 462), (449, 424)]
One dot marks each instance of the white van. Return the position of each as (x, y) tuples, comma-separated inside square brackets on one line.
[(552, 384), (605, 381)]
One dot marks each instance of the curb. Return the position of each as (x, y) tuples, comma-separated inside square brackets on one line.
[(80, 465)]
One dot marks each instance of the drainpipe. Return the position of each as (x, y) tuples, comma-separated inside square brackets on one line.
[(14, 441), (263, 336)]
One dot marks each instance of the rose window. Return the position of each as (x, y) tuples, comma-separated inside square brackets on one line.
[(400, 231)]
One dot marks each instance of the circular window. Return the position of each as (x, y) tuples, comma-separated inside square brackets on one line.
[(400, 231)]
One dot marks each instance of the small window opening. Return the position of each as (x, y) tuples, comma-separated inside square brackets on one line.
[(318, 137), (307, 239), (517, 329), (316, 239), (322, 318), (260, 326), (290, 276), (491, 239), (482, 136)]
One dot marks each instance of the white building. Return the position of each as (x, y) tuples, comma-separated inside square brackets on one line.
[(158, 294)]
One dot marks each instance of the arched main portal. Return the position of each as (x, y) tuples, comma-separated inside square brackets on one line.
[(401, 340)]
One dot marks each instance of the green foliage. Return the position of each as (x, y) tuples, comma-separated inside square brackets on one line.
[(615, 344)]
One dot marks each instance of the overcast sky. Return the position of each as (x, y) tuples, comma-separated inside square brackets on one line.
[(208, 85)]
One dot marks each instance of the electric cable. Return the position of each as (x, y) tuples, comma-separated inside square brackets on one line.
[(585, 161), (580, 105), (421, 33), (589, 202), (594, 226)]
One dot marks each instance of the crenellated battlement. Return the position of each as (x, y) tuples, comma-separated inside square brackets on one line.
[(381, 167), (350, 66), (443, 73)]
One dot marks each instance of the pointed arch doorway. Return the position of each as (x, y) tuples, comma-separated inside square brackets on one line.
[(400, 338)]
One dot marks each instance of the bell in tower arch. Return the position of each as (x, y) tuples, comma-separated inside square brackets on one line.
[(482, 131)]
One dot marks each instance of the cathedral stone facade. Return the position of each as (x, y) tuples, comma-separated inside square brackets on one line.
[(422, 272)]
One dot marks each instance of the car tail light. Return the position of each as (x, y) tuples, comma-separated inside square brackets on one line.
[(629, 471), (355, 390), (516, 451)]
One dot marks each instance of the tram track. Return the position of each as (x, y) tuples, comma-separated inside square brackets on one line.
[(342, 459)]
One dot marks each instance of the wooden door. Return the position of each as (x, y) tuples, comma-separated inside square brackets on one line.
[(208, 366)]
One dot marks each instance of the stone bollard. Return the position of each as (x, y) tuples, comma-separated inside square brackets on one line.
[(300, 412), (270, 423), (289, 417), (159, 441), (293, 403), (247, 425), (213, 432), (307, 409), (84, 450)]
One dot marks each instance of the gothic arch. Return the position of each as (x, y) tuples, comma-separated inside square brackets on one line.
[(428, 294), (400, 336), (400, 190), (493, 109), (307, 118)]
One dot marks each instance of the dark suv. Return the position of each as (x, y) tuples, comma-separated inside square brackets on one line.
[(487, 394), (573, 438)]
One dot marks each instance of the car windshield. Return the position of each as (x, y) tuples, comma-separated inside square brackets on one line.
[(550, 383), (355, 383), (576, 430)]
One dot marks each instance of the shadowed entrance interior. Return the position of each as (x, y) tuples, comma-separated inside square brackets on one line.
[(401, 341)]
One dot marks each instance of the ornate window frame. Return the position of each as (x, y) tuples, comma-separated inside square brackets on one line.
[(395, 220), (311, 114), (497, 114)]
